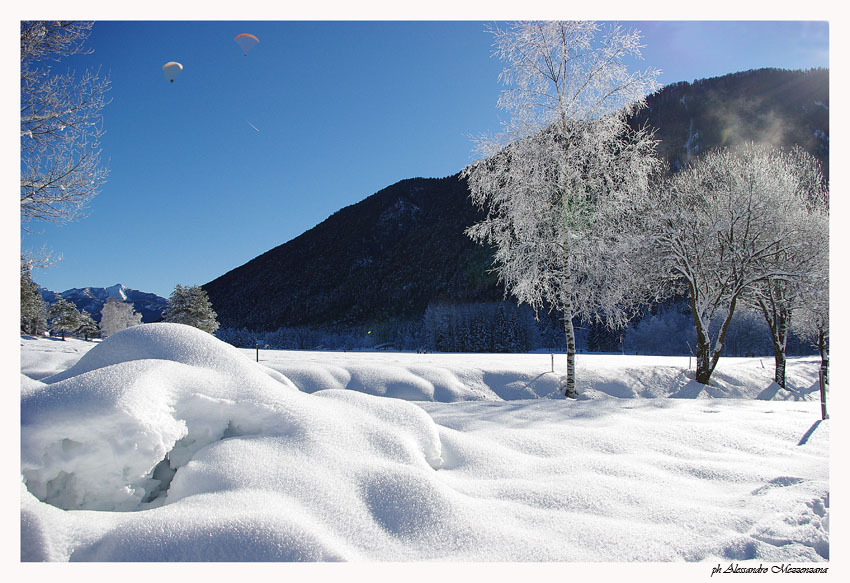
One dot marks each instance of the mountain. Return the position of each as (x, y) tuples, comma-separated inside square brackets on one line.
[(385, 257), (91, 299), (773, 106), (389, 256)]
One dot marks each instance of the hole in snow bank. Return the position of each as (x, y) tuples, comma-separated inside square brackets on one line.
[(163, 473)]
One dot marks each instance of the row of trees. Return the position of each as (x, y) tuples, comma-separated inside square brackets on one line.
[(62, 317), (186, 305), (481, 327), (666, 329), (586, 221)]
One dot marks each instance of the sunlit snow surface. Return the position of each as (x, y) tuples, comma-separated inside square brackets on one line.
[(307, 456)]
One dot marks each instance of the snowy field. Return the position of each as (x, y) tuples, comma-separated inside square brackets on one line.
[(162, 443)]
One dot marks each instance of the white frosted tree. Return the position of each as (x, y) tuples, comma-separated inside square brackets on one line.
[(191, 305), (116, 316), (562, 183), (727, 226), (804, 213), (811, 322), (61, 127)]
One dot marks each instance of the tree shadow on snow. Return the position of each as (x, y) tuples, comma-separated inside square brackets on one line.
[(773, 390), (690, 390), (769, 393)]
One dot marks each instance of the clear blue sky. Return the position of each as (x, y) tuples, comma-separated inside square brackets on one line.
[(343, 110)]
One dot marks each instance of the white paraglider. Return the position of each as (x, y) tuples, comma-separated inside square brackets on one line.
[(171, 70), (246, 42)]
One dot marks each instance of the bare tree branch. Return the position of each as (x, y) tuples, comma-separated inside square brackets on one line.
[(61, 124)]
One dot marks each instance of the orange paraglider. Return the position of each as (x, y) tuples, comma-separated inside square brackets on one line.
[(246, 42)]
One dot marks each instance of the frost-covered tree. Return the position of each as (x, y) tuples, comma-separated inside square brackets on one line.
[(811, 321), (724, 224), (33, 311), (116, 316), (190, 305), (560, 184), (88, 327), (61, 127), (64, 316), (803, 222)]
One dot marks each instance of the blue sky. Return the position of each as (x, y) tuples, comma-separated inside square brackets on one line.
[(343, 110)]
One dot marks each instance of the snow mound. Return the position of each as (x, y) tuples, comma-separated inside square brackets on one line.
[(122, 428), (171, 342)]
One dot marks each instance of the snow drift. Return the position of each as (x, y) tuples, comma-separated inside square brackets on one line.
[(163, 444), (108, 433)]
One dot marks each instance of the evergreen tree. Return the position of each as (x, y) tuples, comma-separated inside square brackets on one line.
[(64, 316), (190, 305), (600, 338), (88, 327), (116, 316), (33, 320)]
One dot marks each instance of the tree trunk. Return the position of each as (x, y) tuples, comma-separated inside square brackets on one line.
[(780, 338), (707, 356), (704, 368), (569, 332), (703, 348), (780, 360), (778, 320)]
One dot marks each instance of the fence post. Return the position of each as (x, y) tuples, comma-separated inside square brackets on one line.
[(824, 380), (553, 361)]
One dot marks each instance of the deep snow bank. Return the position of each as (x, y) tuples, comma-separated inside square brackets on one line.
[(110, 432), (222, 460)]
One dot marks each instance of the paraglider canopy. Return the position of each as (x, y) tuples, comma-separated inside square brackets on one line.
[(246, 42), (171, 70)]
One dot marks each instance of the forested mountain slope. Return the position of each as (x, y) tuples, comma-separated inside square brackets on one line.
[(391, 255)]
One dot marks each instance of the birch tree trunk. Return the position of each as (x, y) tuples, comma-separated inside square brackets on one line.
[(569, 332)]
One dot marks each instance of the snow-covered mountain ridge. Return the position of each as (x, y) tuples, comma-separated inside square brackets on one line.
[(91, 299)]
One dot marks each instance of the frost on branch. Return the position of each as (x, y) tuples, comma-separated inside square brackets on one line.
[(61, 124), (734, 226), (559, 184)]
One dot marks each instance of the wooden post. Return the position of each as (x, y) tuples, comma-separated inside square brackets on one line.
[(553, 361), (258, 352), (822, 376)]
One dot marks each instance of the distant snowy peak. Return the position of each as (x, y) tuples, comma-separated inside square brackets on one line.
[(91, 299), (117, 291)]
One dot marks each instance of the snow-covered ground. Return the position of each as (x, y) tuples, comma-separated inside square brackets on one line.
[(162, 443)]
